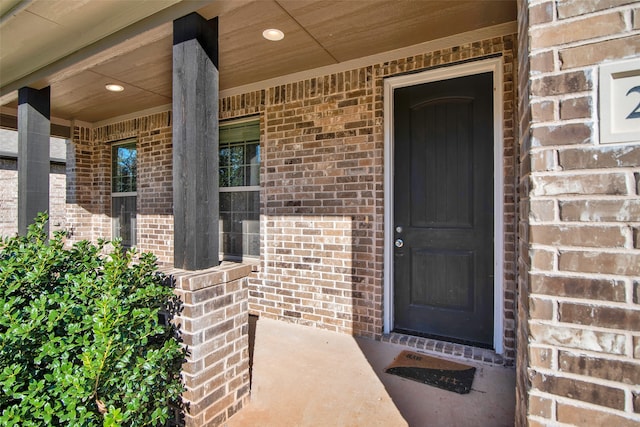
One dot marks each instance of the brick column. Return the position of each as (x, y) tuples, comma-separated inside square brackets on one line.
[(579, 341), (34, 127), (523, 385), (214, 324)]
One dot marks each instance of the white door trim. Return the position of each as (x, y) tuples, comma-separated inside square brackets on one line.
[(495, 66)]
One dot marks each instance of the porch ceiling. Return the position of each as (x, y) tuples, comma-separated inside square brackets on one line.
[(79, 46)]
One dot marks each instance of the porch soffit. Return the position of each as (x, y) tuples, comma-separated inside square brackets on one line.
[(136, 51)]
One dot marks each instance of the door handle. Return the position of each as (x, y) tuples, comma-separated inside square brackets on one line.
[(399, 243)]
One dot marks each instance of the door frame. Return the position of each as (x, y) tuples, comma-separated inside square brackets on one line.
[(495, 66)]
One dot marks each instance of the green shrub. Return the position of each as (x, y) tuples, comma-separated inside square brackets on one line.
[(81, 343)]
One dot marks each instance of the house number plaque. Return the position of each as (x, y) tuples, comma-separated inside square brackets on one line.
[(620, 102)]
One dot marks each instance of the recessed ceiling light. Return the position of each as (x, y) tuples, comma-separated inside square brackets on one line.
[(273, 34), (112, 87)]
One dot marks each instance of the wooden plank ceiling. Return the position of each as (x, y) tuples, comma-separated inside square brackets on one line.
[(317, 33)]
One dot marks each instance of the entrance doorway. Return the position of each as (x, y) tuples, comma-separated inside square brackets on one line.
[(441, 216)]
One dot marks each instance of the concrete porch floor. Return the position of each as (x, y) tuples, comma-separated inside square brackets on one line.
[(310, 377)]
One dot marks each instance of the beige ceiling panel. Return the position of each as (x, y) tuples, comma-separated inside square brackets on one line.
[(147, 67), (317, 33), (83, 96), (354, 29), (244, 53), (16, 43), (69, 26), (134, 100)]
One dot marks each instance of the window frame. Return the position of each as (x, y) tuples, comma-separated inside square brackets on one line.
[(245, 188), (123, 194)]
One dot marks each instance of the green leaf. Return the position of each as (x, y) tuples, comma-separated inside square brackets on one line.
[(78, 324)]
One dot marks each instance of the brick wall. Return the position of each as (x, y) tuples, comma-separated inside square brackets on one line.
[(214, 324), (88, 186), (323, 197), (155, 189), (89, 189), (79, 186), (581, 212), (9, 197)]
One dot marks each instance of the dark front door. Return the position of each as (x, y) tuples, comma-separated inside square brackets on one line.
[(443, 213)]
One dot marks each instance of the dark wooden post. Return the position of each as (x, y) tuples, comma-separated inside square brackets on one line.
[(34, 127), (195, 142)]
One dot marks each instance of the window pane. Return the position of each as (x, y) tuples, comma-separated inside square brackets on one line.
[(236, 176), (124, 220), (224, 176), (224, 155), (239, 201), (225, 201), (239, 155), (253, 200), (240, 223), (124, 168), (253, 154), (239, 207)]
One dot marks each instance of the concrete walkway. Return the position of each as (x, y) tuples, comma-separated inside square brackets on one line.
[(310, 377)]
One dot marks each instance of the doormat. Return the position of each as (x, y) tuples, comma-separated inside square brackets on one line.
[(440, 373)]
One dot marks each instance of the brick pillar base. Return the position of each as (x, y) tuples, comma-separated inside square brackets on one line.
[(214, 325)]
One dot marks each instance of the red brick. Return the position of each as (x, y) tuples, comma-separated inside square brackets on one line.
[(559, 84), (609, 184), (600, 316), (542, 62), (542, 210), (624, 264), (600, 210), (601, 157), (542, 259), (579, 235), (588, 417), (541, 13), (596, 53), (540, 357), (606, 369), (571, 8), (216, 414), (542, 111), (544, 160), (575, 108), (567, 134), (577, 287), (579, 390), (540, 406), (541, 309), (602, 342), (578, 30)]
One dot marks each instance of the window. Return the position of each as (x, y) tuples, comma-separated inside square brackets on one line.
[(239, 146), (123, 192)]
